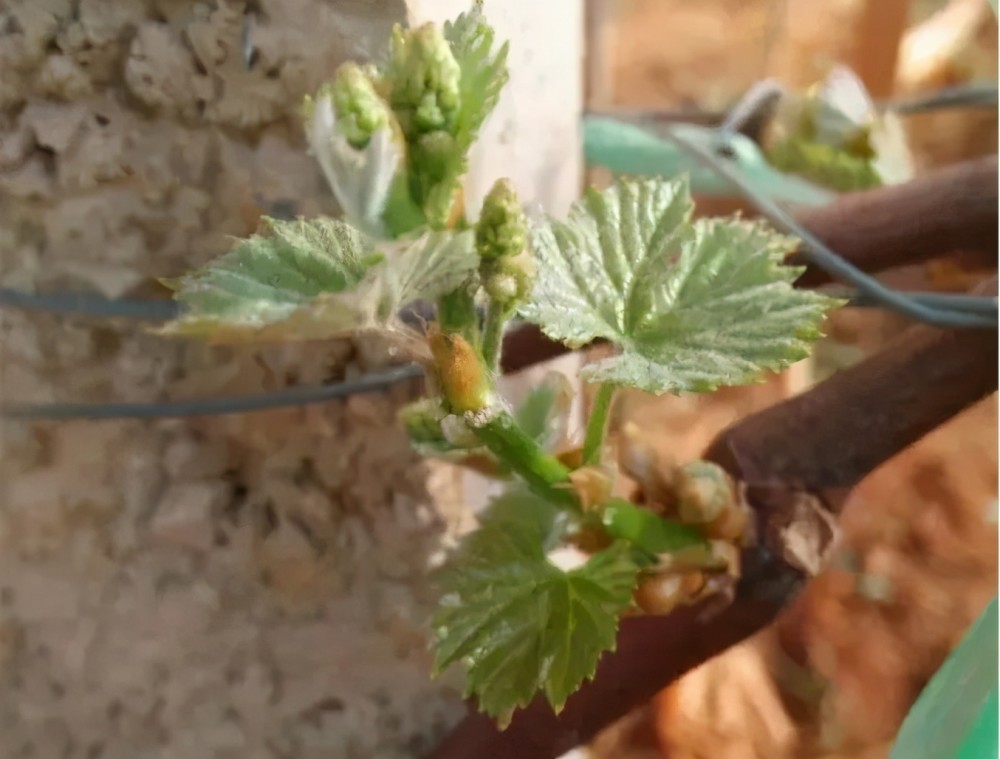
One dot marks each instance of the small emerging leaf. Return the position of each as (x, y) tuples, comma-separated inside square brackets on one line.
[(691, 306), (835, 136), (362, 179), (316, 279), (265, 279), (484, 71), (520, 624)]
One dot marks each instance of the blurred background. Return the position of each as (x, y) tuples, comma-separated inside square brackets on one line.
[(254, 585), (835, 676)]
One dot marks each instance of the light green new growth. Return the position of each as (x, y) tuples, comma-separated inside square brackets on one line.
[(834, 136), (424, 78), (484, 71), (824, 164), (689, 306), (501, 231), (360, 109)]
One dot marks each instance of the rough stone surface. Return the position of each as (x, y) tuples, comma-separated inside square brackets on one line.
[(245, 586)]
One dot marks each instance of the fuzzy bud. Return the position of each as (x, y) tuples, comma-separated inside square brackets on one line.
[(502, 231), (360, 110), (507, 280), (424, 77)]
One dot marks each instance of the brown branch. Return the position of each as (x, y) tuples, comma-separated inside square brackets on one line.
[(526, 346), (830, 437), (945, 211), (794, 455)]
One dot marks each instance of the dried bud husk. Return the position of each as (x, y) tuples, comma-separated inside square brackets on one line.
[(462, 377), (592, 485), (706, 495), (652, 469), (572, 457), (590, 537), (663, 593), (704, 492)]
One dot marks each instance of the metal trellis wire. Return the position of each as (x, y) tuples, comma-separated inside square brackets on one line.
[(945, 310)]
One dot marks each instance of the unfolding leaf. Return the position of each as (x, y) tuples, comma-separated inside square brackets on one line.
[(316, 279), (438, 156), (484, 71), (835, 136), (824, 164), (520, 624), (691, 307), (362, 179)]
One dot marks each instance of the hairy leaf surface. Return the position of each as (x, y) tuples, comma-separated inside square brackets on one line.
[(691, 306)]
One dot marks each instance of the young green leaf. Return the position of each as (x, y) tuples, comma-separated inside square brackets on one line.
[(690, 306), (484, 71), (469, 76), (316, 279), (520, 624)]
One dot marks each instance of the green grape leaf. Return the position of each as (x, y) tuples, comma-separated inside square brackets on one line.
[(691, 306), (484, 71), (520, 624), (316, 279)]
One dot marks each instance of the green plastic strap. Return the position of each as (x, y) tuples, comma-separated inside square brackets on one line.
[(955, 716), (628, 149)]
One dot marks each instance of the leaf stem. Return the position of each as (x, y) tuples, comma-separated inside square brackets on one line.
[(544, 473), (596, 425), (497, 316)]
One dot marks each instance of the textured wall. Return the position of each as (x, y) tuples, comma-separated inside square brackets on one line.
[(248, 586)]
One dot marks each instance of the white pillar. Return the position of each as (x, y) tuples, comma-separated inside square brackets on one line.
[(533, 137)]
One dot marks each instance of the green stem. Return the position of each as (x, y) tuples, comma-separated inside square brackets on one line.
[(457, 313), (597, 424), (496, 319), (544, 473)]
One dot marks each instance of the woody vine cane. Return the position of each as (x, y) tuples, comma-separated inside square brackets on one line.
[(798, 460)]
